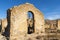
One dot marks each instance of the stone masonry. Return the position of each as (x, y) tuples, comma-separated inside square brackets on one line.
[(18, 20)]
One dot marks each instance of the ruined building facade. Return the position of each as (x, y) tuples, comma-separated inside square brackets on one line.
[(18, 26)]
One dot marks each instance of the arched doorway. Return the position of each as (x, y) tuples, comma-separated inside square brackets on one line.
[(30, 22)]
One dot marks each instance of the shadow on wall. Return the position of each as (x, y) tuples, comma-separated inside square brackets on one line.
[(7, 29), (0, 28)]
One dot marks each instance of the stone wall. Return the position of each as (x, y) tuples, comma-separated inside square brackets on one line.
[(58, 22), (4, 24), (18, 20), (0, 25)]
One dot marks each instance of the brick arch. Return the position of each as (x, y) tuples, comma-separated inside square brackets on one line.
[(18, 19)]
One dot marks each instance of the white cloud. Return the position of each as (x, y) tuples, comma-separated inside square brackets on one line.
[(52, 15)]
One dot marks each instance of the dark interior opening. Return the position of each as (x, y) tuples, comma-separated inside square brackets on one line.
[(0, 28), (30, 22), (7, 29)]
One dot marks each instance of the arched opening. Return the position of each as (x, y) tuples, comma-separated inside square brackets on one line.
[(30, 22)]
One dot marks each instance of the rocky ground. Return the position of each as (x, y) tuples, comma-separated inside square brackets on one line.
[(2, 37), (26, 37)]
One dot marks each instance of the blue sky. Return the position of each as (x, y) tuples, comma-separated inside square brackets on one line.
[(50, 8)]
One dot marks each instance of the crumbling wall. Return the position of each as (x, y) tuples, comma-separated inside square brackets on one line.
[(4, 24), (58, 23), (0, 26), (18, 20)]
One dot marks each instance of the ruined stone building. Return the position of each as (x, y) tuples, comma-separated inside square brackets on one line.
[(19, 26), (53, 29)]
